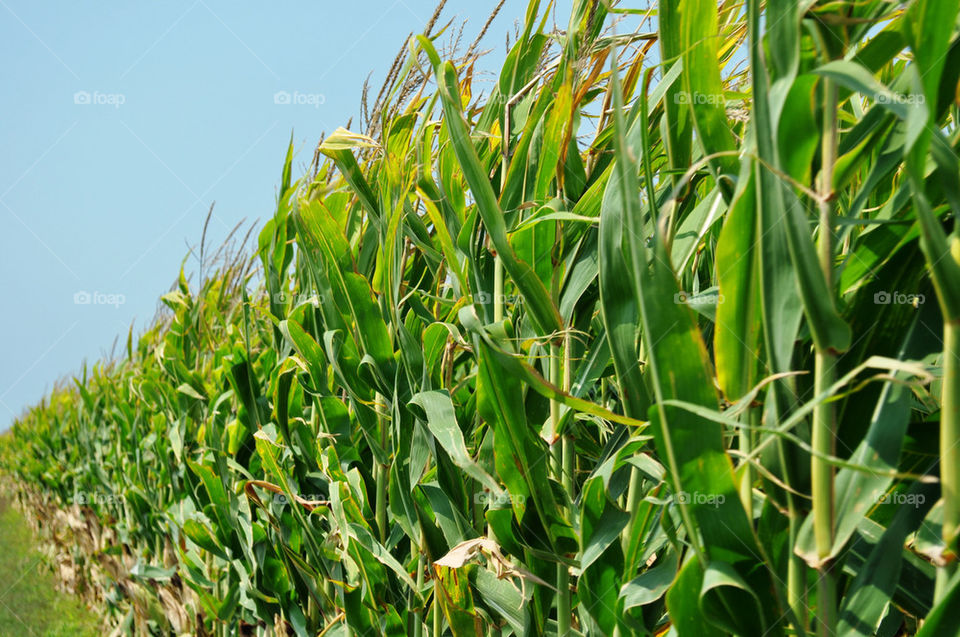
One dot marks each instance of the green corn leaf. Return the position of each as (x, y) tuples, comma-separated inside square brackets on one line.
[(702, 85), (533, 291), (440, 418)]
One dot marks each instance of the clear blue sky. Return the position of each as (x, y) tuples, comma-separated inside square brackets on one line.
[(123, 122)]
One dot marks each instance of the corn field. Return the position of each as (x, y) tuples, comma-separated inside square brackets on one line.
[(656, 334)]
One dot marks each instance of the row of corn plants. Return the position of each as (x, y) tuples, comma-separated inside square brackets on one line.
[(659, 335)]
